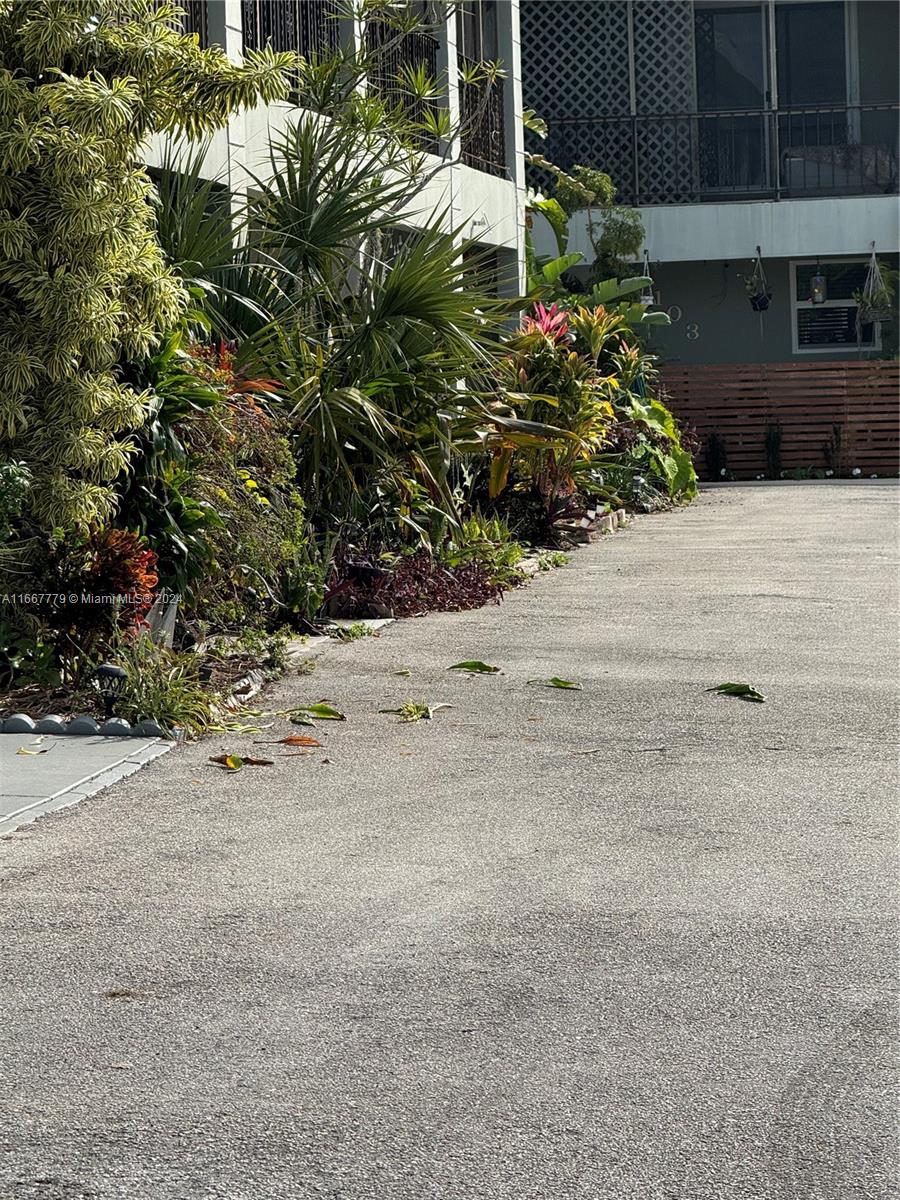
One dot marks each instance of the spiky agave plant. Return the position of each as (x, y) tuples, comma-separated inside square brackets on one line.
[(83, 284)]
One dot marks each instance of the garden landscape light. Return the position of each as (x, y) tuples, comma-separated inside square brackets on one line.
[(109, 681)]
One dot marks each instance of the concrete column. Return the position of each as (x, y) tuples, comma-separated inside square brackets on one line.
[(511, 54), (448, 76)]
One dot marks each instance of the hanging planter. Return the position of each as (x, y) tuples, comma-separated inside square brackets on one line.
[(758, 292), (876, 300)]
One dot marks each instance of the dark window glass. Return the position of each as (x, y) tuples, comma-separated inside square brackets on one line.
[(842, 279), (476, 30), (810, 55), (831, 327), (731, 58)]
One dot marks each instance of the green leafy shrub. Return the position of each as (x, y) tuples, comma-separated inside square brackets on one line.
[(83, 284), (487, 541), (163, 685)]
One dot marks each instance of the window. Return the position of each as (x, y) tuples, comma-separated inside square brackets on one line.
[(809, 43), (731, 58), (476, 30), (832, 325)]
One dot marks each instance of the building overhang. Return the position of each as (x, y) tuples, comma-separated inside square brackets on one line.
[(837, 225)]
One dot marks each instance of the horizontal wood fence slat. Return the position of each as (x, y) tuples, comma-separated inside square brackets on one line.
[(837, 415)]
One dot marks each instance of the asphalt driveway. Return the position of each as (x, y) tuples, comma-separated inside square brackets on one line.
[(633, 942)]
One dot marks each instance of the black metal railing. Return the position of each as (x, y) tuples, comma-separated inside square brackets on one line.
[(193, 18), (392, 55), (680, 158), (483, 132), (305, 26)]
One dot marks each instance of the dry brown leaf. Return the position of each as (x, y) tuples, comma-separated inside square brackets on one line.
[(294, 739)]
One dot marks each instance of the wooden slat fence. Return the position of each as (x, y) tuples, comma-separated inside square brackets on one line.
[(739, 402)]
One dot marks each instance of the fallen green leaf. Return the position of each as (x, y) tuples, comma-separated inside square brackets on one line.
[(474, 667), (403, 671), (231, 762), (320, 711), (556, 682), (743, 691)]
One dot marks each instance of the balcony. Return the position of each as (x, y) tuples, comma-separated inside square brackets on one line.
[(304, 26), (393, 53), (689, 158), (483, 131), (193, 18)]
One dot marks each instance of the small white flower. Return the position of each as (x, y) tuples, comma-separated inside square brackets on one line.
[(873, 476), (760, 477), (828, 474), (723, 471), (856, 472)]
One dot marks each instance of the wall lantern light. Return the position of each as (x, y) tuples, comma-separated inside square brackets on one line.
[(109, 681), (818, 289)]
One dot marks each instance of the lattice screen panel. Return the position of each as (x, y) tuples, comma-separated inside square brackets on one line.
[(575, 74), (664, 56), (575, 57), (666, 161)]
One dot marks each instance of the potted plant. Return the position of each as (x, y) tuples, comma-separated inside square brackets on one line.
[(757, 286), (876, 300)]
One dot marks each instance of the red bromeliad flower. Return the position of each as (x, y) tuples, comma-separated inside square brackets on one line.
[(552, 322)]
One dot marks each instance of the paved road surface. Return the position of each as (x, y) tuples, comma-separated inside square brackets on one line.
[(461, 961)]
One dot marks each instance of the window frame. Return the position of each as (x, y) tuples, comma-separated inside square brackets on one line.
[(798, 304)]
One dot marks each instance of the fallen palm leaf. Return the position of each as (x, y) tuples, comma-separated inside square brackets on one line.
[(294, 739), (412, 710), (29, 752), (556, 682), (743, 691), (475, 667)]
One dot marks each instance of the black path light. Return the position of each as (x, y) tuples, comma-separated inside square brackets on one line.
[(109, 681)]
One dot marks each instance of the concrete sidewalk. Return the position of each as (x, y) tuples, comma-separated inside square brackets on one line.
[(67, 770), (634, 942)]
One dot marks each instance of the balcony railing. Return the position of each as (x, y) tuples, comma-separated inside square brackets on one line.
[(192, 19), (392, 53), (483, 131), (305, 26), (684, 158)]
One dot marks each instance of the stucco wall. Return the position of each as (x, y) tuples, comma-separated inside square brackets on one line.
[(714, 322)]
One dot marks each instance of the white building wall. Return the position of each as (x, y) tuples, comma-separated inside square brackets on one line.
[(479, 205)]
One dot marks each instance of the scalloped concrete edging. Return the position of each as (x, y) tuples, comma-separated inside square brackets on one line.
[(81, 726)]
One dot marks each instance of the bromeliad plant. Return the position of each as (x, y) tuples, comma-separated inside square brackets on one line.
[(585, 371)]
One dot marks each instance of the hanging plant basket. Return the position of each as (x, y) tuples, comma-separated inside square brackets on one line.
[(760, 301), (876, 312), (758, 291), (876, 301)]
